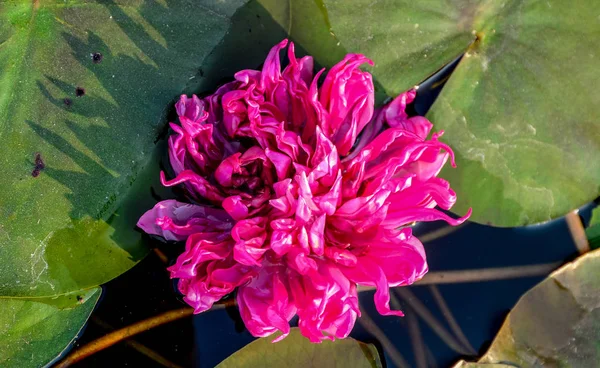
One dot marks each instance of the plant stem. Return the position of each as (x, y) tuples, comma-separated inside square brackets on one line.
[(161, 255), (577, 232), (397, 358), (140, 348), (122, 334), (420, 309), (415, 336), (441, 302), (482, 274), (440, 233)]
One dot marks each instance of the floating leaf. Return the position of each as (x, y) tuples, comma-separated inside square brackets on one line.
[(84, 92), (555, 324), (520, 110), (36, 331), (297, 351), (259, 25)]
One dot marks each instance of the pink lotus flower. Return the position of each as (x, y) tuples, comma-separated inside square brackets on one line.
[(299, 192)]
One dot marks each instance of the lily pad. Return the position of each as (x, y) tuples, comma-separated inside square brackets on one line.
[(555, 324), (257, 27), (84, 93), (36, 331), (297, 351), (520, 109)]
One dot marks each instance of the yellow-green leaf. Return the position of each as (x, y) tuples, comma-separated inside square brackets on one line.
[(296, 351), (35, 331)]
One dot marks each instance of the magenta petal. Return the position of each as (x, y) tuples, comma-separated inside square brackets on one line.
[(369, 273), (348, 95), (249, 236), (396, 117), (190, 108), (207, 272), (327, 303), (409, 215), (235, 207), (197, 185), (265, 303), (316, 235), (176, 221), (312, 190), (228, 167), (281, 162), (402, 259), (271, 72), (300, 261)]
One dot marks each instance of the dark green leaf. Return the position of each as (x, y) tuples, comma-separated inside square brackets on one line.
[(407, 40), (297, 351), (69, 223), (521, 109), (35, 331), (257, 27)]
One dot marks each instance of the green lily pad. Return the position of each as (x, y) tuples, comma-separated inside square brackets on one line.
[(36, 331), (84, 93), (555, 324), (297, 351), (520, 110), (257, 27)]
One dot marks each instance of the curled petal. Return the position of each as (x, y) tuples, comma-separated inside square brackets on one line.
[(271, 72), (281, 162), (176, 221), (265, 303), (406, 216), (207, 272), (312, 187), (249, 236), (348, 96), (177, 150), (191, 108), (327, 303), (401, 257), (298, 260), (316, 235), (235, 207), (396, 116), (196, 185), (367, 272)]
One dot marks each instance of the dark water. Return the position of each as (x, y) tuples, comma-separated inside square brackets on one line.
[(478, 308)]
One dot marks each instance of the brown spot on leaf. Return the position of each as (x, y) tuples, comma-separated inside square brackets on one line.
[(67, 101), (97, 57), (39, 165), (79, 91), (39, 162)]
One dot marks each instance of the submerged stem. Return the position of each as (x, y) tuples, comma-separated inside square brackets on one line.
[(482, 274), (395, 356), (141, 348), (122, 334)]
